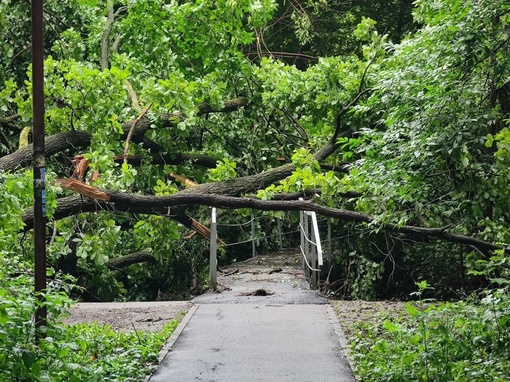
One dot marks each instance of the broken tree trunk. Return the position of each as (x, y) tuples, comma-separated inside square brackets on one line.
[(227, 194)]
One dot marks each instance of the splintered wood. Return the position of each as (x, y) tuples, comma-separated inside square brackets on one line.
[(82, 189)]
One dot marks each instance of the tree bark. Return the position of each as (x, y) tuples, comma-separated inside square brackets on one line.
[(243, 185), (127, 260), (219, 194), (174, 159), (53, 144)]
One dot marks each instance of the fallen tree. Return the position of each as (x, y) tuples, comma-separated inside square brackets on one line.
[(173, 205), (80, 139), (127, 260), (226, 194)]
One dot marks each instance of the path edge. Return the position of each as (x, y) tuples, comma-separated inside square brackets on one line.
[(167, 346), (342, 339)]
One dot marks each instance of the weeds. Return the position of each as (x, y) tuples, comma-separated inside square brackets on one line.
[(462, 342), (74, 353)]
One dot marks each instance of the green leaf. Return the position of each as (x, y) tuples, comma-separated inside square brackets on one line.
[(411, 309)]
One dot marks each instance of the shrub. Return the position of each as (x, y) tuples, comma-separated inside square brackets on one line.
[(83, 352), (462, 341)]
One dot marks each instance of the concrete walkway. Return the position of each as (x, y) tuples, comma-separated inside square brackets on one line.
[(240, 334)]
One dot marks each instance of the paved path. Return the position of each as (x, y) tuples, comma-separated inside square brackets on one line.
[(290, 334)]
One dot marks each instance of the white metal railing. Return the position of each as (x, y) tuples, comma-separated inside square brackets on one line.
[(213, 255), (311, 248)]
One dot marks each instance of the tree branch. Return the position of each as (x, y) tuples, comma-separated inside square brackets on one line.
[(80, 139), (173, 159), (127, 260), (106, 34), (53, 144), (9, 119), (148, 204), (131, 129)]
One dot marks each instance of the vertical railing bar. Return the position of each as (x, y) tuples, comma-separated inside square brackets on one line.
[(302, 235), (213, 259), (252, 234), (329, 241), (307, 243), (318, 238), (313, 258), (280, 244)]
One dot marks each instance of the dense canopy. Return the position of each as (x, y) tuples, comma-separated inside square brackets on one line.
[(390, 118), (398, 123)]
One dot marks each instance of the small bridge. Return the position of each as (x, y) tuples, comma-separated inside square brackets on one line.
[(310, 245)]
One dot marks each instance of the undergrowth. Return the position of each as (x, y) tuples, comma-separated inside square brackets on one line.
[(74, 353), (455, 341)]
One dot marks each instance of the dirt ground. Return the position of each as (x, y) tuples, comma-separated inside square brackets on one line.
[(140, 316), (151, 316), (350, 313)]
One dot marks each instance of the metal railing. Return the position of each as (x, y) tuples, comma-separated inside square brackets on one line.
[(311, 247), (213, 253)]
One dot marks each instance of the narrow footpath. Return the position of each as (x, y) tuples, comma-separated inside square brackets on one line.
[(264, 325)]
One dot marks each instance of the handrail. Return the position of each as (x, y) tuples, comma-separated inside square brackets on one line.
[(238, 224), (213, 257), (304, 235), (310, 246), (317, 236)]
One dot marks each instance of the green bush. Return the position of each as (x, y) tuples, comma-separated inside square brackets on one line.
[(462, 341), (83, 352)]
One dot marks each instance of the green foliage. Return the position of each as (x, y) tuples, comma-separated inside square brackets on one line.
[(364, 277), (225, 169), (83, 352), (433, 148), (421, 119), (97, 245), (325, 28), (464, 341), (428, 118), (496, 269)]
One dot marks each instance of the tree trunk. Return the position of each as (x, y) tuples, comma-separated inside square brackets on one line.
[(127, 260), (169, 205)]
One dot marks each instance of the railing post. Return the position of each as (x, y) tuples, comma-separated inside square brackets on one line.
[(329, 241), (213, 262), (252, 235), (302, 236), (280, 244), (317, 250), (307, 243), (313, 257), (317, 242)]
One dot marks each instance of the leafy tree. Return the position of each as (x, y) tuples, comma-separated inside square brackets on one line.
[(400, 136), (440, 97)]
